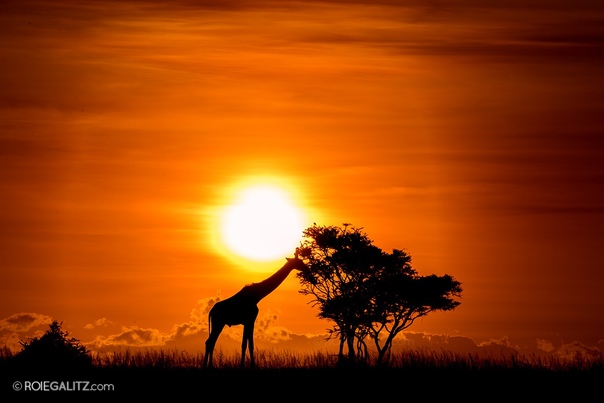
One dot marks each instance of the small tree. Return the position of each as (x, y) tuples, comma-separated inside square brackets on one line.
[(401, 299), (54, 350), (365, 291)]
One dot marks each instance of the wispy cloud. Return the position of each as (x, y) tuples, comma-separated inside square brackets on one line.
[(131, 337), (20, 326), (190, 336), (23, 322), (103, 322), (266, 331)]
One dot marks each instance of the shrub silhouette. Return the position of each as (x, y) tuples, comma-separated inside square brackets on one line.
[(54, 350)]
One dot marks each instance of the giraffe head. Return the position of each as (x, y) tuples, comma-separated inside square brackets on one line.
[(295, 263)]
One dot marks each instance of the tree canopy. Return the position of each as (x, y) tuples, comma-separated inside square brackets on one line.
[(366, 292)]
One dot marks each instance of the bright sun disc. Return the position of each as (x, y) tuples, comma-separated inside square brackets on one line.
[(263, 224)]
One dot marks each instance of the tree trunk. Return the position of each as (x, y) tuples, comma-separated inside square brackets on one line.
[(350, 344), (384, 351)]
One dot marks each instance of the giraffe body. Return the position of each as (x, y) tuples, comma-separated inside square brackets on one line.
[(242, 309)]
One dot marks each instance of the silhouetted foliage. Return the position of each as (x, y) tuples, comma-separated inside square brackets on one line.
[(54, 350), (367, 292)]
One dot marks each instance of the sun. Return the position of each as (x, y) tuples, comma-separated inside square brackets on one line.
[(262, 224)]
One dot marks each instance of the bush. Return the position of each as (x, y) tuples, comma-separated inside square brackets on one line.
[(54, 350)]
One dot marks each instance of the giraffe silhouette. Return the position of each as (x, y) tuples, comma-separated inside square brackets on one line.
[(242, 309)]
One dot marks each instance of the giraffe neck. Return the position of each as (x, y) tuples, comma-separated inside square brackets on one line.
[(265, 287)]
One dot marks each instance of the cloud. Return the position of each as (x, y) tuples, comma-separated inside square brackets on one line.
[(23, 322), (265, 329), (498, 348), (21, 326), (134, 336), (198, 320), (130, 337), (103, 322), (576, 350), (201, 311), (193, 332), (545, 345), (191, 335), (458, 344)]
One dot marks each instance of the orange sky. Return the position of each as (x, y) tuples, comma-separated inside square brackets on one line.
[(468, 134)]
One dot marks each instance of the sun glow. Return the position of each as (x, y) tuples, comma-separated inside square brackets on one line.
[(262, 224)]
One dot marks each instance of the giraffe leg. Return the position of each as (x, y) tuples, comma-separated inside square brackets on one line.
[(243, 346), (251, 347), (210, 344), (248, 341)]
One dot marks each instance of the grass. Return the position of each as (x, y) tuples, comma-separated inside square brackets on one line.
[(318, 376), (416, 359), (175, 359)]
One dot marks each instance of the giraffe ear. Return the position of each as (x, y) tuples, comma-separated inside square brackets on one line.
[(288, 259)]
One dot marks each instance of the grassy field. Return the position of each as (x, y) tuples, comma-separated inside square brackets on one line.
[(318, 376)]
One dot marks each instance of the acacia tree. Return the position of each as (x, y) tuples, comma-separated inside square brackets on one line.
[(401, 298), (365, 291), (339, 260)]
